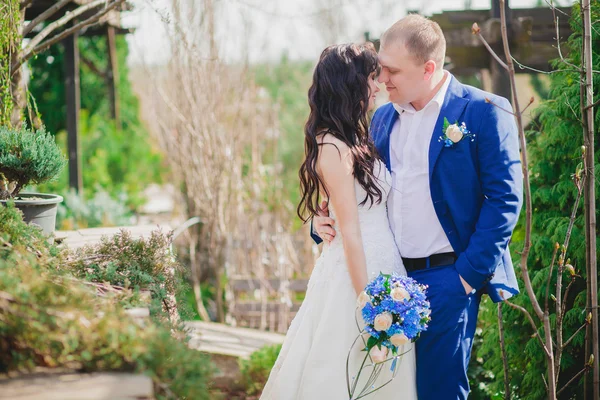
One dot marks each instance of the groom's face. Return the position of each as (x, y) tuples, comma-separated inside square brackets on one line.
[(401, 73)]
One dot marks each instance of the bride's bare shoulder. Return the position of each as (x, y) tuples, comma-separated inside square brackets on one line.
[(330, 145), (334, 156)]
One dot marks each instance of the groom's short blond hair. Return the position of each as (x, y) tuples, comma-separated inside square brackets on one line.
[(422, 37)]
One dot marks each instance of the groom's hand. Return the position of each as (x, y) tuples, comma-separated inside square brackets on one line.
[(467, 287), (323, 225)]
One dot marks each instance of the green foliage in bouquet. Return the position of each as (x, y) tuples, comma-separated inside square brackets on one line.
[(256, 369), (48, 318), (27, 157)]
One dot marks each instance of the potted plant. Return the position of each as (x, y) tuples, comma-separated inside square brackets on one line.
[(30, 157)]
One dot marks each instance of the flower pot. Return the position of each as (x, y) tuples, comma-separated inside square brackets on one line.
[(38, 209)]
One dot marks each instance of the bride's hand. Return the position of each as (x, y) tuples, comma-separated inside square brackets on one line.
[(323, 224)]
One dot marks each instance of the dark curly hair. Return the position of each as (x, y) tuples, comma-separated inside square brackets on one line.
[(339, 101)]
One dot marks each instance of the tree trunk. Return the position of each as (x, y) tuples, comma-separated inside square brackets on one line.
[(17, 88), (587, 99), (18, 97)]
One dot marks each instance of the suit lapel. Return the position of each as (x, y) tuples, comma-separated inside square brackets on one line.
[(391, 120), (382, 133), (453, 107)]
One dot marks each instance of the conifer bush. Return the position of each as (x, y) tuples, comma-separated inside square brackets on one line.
[(27, 157), (554, 148)]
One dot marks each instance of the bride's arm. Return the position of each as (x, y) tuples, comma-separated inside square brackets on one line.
[(335, 167)]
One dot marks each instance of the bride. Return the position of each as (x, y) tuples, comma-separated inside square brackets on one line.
[(343, 168)]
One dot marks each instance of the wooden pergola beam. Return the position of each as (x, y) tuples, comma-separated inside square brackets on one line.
[(533, 38)]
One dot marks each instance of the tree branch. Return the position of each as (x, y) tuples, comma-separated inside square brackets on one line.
[(561, 303), (25, 3), (43, 16), (556, 247), (592, 105), (555, 18), (573, 336), (543, 316), (539, 71), (530, 318), (501, 108), (531, 100), (477, 31), (504, 355), (573, 379)]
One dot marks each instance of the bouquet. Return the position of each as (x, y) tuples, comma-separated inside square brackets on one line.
[(395, 311)]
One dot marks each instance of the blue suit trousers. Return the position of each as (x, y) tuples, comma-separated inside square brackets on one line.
[(444, 350)]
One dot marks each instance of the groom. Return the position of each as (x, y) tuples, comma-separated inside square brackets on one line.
[(455, 199)]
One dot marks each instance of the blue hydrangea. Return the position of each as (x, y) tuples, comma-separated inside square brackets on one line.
[(369, 312), (410, 316)]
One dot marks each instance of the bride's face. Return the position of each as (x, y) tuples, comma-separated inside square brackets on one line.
[(373, 89)]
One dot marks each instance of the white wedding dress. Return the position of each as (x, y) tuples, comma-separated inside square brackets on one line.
[(312, 361)]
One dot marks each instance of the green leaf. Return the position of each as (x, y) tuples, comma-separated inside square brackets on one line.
[(446, 124), (371, 342)]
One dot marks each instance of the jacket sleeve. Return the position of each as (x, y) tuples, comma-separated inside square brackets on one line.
[(501, 180), (314, 235)]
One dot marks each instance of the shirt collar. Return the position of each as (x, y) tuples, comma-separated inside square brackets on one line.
[(437, 99)]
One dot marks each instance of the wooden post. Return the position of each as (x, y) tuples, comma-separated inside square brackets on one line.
[(73, 107), (500, 79), (112, 76)]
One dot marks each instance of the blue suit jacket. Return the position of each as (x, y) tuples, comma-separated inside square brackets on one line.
[(476, 186)]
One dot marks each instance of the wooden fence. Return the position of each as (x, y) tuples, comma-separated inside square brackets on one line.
[(268, 304)]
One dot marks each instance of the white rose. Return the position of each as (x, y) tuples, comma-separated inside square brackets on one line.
[(378, 356), (454, 133), (383, 321), (362, 300), (399, 339), (399, 294)]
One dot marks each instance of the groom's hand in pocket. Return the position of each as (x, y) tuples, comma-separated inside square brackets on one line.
[(468, 288), (323, 225)]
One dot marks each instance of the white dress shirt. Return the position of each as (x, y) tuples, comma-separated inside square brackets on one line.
[(413, 220)]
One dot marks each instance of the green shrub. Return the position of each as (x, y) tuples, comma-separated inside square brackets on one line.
[(17, 235), (135, 264), (49, 318), (554, 149), (255, 371), (28, 157)]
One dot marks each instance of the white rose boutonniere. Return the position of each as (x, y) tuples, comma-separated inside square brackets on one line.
[(455, 133)]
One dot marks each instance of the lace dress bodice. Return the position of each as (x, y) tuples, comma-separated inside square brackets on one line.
[(381, 251)]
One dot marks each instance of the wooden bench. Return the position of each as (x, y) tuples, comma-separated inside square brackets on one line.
[(268, 304)]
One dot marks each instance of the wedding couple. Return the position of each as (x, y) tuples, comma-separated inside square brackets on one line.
[(407, 195)]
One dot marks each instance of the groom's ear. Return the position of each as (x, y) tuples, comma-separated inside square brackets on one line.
[(429, 69)]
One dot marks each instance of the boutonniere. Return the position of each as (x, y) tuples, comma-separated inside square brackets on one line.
[(455, 133)]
